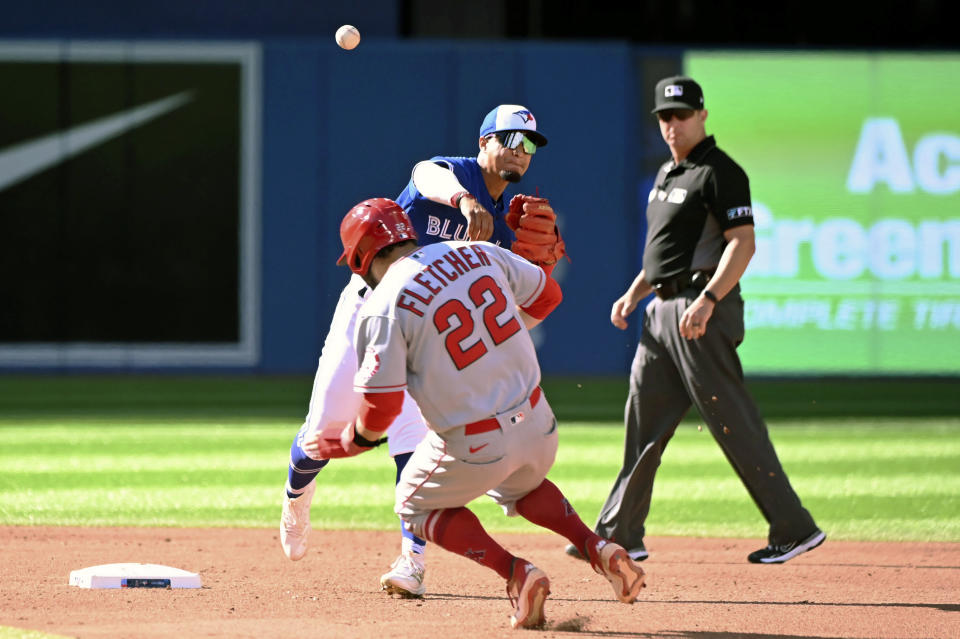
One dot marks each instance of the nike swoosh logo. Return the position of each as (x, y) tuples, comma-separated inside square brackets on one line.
[(473, 450), (23, 161)]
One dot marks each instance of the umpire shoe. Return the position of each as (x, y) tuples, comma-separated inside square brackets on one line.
[(612, 561), (405, 577), (295, 523), (779, 554), (637, 554), (527, 589)]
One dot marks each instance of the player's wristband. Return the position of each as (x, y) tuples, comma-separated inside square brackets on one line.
[(455, 200), (360, 440), (710, 296)]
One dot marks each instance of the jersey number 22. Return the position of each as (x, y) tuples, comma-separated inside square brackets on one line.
[(464, 355)]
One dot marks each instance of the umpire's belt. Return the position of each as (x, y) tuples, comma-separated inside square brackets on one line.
[(673, 286), (491, 423)]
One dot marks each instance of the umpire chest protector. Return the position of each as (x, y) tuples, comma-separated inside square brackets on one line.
[(689, 207)]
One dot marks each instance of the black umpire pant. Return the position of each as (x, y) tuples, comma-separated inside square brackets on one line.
[(668, 375)]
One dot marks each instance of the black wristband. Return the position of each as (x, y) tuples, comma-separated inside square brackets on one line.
[(360, 440), (710, 296), (455, 200)]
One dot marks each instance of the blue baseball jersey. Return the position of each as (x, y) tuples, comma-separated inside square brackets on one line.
[(439, 222)]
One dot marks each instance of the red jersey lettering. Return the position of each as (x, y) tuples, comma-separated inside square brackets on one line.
[(467, 257), (484, 258), (425, 283)]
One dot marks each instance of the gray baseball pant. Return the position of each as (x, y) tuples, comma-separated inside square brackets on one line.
[(669, 374)]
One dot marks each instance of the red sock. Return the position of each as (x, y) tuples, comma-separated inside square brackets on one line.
[(546, 506), (459, 531)]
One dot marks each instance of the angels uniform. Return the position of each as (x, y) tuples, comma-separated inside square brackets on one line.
[(332, 399), (443, 324), (333, 402)]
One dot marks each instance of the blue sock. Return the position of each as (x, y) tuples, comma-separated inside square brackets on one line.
[(415, 543), (302, 468)]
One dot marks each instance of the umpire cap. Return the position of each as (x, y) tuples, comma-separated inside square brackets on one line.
[(677, 92), (370, 226)]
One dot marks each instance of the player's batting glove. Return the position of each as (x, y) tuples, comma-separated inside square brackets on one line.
[(353, 443), (535, 224)]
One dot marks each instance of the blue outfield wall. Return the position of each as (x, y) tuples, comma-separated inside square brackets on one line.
[(339, 127)]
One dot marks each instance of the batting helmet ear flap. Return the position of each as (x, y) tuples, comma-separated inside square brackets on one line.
[(370, 226)]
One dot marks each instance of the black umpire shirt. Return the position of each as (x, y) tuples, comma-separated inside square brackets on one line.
[(688, 209)]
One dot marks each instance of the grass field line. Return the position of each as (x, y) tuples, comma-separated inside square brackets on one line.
[(852, 452), (358, 482), (592, 443), (731, 489), (702, 462), (185, 431), (364, 493), (181, 463)]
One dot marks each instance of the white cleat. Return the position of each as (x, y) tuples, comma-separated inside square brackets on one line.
[(527, 590), (623, 573), (295, 523), (405, 577)]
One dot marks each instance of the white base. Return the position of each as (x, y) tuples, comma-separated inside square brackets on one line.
[(133, 576)]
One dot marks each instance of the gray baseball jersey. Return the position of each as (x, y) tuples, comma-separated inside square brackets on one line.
[(443, 324)]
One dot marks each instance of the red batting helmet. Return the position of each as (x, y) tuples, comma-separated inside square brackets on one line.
[(370, 226)]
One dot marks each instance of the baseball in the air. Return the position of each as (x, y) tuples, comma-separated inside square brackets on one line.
[(348, 37)]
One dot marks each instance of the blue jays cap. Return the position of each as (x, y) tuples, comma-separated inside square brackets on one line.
[(677, 92), (512, 117)]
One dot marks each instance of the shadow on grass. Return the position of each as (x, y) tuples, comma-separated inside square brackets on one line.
[(573, 398)]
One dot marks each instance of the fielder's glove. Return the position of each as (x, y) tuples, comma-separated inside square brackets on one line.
[(535, 224)]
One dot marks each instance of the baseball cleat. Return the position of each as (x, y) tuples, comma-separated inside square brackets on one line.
[(295, 523), (637, 554), (779, 554), (527, 589), (613, 562), (405, 577)]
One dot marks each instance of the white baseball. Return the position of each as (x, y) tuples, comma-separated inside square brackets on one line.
[(348, 36)]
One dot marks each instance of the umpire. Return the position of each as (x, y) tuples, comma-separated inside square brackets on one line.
[(699, 241)]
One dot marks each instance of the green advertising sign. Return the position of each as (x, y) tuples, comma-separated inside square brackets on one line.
[(854, 166)]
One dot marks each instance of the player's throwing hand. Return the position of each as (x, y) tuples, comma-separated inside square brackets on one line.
[(479, 219)]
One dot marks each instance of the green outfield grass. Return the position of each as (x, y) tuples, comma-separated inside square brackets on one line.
[(213, 452)]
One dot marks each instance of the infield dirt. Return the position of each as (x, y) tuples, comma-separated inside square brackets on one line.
[(698, 588)]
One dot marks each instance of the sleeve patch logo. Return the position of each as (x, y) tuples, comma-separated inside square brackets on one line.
[(677, 196), (370, 364), (740, 211)]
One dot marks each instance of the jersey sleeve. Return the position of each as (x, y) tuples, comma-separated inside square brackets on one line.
[(728, 190), (544, 303), (456, 167), (332, 398), (379, 410), (382, 356)]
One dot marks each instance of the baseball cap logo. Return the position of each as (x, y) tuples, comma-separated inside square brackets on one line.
[(526, 116), (672, 90)]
